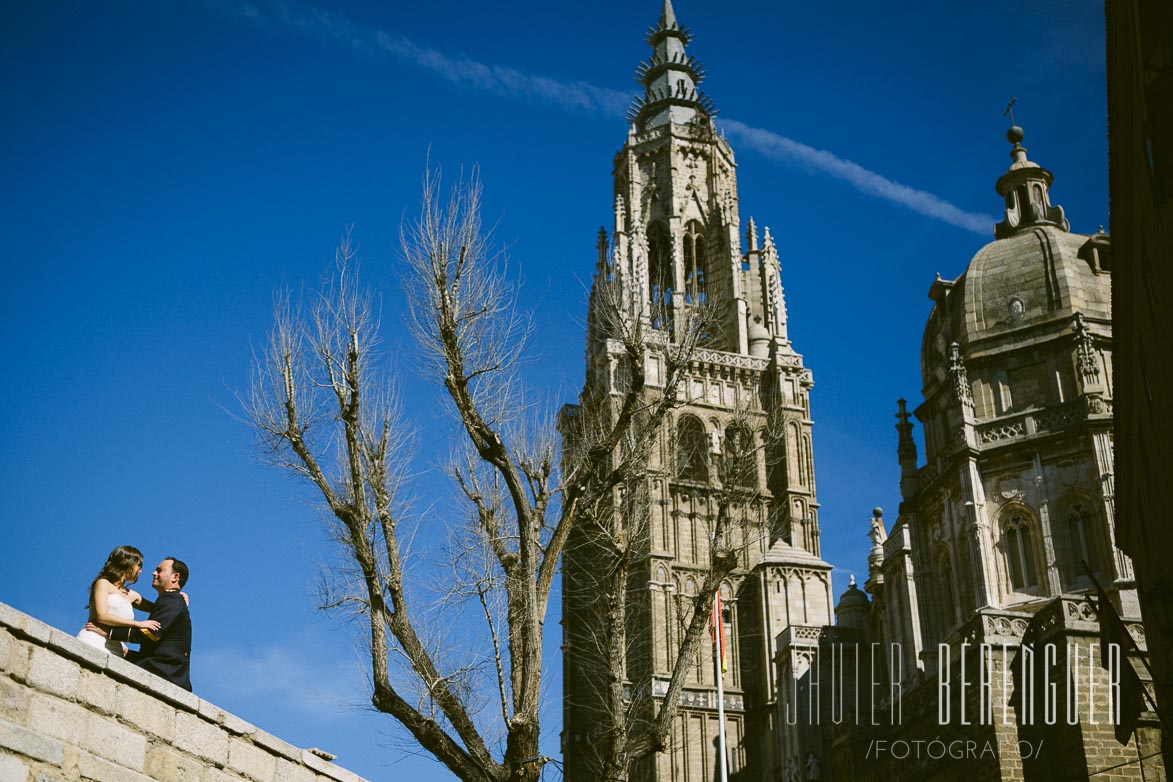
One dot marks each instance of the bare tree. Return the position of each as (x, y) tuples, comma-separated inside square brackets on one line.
[(323, 411)]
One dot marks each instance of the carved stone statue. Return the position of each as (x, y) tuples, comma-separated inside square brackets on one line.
[(812, 767), (876, 533)]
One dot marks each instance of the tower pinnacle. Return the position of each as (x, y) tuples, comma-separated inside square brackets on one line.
[(667, 15), (670, 78)]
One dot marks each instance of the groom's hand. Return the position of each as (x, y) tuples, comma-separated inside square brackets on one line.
[(93, 628)]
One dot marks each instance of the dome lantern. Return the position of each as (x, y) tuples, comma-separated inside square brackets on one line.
[(1025, 187)]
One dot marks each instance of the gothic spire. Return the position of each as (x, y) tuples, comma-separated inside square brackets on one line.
[(667, 15), (670, 78)]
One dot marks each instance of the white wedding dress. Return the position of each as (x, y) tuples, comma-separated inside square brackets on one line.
[(118, 605)]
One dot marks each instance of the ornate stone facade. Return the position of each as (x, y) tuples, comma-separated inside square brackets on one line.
[(985, 563), (678, 249), (987, 566)]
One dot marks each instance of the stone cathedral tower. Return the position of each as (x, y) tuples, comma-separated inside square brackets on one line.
[(677, 248)]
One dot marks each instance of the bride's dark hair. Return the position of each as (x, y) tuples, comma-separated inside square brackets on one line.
[(119, 565)]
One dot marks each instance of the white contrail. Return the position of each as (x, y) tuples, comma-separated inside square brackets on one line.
[(318, 24), (284, 16), (787, 150)]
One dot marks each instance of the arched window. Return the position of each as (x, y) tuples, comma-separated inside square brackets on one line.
[(1037, 201), (1081, 531), (694, 263), (660, 275), (663, 622), (691, 446), (1018, 548), (808, 467), (741, 463)]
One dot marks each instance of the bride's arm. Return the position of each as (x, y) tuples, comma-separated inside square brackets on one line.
[(142, 604), (100, 608)]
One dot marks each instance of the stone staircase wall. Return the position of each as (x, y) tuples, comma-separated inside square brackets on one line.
[(71, 712)]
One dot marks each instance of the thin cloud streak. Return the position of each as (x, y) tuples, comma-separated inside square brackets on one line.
[(279, 678), (274, 16), (325, 26), (786, 150)]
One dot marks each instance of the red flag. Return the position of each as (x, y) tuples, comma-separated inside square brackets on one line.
[(717, 629)]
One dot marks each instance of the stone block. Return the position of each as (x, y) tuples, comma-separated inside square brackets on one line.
[(236, 726), (36, 631), (150, 683), (13, 769), (53, 673), (11, 618), (46, 776), (106, 738), (199, 737), (277, 746), (252, 761), (98, 690), (340, 774), (18, 659), (25, 742), (7, 643), (328, 769), (14, 700), (57, 718), (216, 775), (163, 763), (210, 711), (146, 712), (92, 767), (294, 772)]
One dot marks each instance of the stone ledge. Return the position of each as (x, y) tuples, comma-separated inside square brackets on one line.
[(94, 711)]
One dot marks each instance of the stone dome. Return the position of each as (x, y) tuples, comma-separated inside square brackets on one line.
[(853, 607), (1037, 275)]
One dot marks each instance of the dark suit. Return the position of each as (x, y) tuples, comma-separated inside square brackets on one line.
[(170, 656)]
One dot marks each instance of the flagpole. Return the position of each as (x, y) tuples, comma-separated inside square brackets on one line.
[(719, 637), (1130, 642)]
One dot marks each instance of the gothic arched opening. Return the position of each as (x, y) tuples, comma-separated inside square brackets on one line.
[(1019, 550), (660, 275), (695, 263), (691, 447)]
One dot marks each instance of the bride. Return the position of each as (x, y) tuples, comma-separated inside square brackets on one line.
[(112, 601)]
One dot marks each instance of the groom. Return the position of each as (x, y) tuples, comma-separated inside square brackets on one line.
[(166, 653)]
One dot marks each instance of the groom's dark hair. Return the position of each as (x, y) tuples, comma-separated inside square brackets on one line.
[(180, 567)]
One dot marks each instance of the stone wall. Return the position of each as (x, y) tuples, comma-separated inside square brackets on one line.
[(71, 712)]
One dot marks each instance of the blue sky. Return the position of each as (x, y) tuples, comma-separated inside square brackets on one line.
[(167, 165)]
